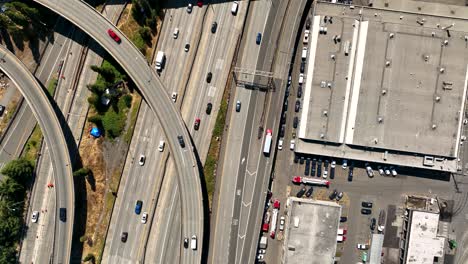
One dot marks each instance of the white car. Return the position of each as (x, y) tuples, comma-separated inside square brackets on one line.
[(325, 174), (345, 164), (333, 164), (381, 172), (144, 217), (260, 257), (35, 216), (394, 173), (261, 251), (189, 8), (306, 36), (282, 221), (176, 33), (362, 246), (141, 160), (161, 145), (369, 170), (280, 144), (174, 97), (292, 145)]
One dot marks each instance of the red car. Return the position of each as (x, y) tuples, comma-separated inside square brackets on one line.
[(197, 124), (114, 36), (199, 3)]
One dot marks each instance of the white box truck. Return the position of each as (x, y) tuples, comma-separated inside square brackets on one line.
[(263, 242), (267, 146), (160, 60), (193, 243), (304, 54)]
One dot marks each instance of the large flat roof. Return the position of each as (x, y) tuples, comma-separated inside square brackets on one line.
[(400, 87), (423, 243), (314, 239)]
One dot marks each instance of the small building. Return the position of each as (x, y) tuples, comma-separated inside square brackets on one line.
[(420, 243), (310, 235), (375, 253)]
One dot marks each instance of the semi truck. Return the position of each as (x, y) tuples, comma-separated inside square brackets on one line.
[(311, 181), (267, 146), (160, 60), (274, 219)]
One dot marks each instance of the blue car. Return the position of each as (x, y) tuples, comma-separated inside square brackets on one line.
[(138, 206), (259, 38)]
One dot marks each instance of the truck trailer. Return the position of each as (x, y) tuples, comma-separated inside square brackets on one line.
[(160, 60)]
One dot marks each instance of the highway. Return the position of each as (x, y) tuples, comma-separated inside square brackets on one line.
[(136, 66), (55, 139), (63, 53), (214, 54), (145, 141), (245, 170)]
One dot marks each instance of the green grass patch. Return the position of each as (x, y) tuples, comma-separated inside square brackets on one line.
[(209, 169), (52, 86), (133, 118), (33, 145)]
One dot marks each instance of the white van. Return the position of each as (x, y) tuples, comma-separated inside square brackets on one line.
[(161, 145), (304, 54), (234, 7), (193, 242), (301, 79)]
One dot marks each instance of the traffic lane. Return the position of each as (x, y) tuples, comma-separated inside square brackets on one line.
[(230, 186), (240, 172), (128, 194), (134, 63), (54, 137), (144, 185)]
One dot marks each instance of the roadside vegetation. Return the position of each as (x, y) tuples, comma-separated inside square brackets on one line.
[(110, 99), (18, 176), (211, 163), (141, 27)]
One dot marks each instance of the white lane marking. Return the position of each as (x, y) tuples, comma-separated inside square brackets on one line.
[(167, 226)]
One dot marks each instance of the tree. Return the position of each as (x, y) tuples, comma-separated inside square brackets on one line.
[(89, 257), (20, 170), (83, 172), (8, 255), (11, 189)]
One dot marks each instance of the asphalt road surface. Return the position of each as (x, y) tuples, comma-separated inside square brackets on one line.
[(133, 62), (55, 139)]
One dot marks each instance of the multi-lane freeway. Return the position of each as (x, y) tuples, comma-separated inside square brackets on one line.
[(53, 134), (146, 79)]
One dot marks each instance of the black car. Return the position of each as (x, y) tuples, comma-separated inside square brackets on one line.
[(286, 105), (181, 141), (214, 26), (208, 77), (366, 204), (295, 122), (297, 106), (309, 192), (372, 224), (314, 163), (339, 196), (209, 106), (283, 118), (301, 160), (326, 164), (238, 106), (333, 195), (301, 192), (299, 91), (63, 214), (307, 25), (296, 159), (307, 167), (2, 110), (350, 174), (332, 173), (187, 47), (282, 130), (343, 219), (302, 66), (287, 91), (185, 242), (319, 169), (366, 211), (124, 237)]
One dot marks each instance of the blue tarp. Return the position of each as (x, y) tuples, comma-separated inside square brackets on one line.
[(95, 132)]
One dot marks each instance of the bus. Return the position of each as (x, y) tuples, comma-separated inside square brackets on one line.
[(267, 146)]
